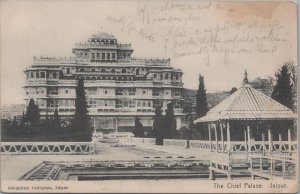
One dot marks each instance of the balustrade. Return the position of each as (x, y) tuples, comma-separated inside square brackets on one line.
[(47, 148)]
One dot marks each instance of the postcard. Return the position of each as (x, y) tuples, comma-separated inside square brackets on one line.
[(142, 96)]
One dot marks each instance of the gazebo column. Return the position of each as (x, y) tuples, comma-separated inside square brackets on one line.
[(245, 135), (290, 140), (209, 137), (216, 137), (249, 138), (280, 142), (222, 137), (228, 137), (264, 143), (270, 140)]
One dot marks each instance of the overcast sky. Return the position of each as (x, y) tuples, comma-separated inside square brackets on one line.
[(218, 40)]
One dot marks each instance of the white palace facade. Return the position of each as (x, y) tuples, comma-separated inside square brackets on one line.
[(118, 87)]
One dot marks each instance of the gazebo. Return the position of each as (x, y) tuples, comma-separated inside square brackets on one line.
[(246, 115)]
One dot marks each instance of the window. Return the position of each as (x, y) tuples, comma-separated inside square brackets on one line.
[(82, 69), (176, 76), (54, 75), (103, 56), (93, 70), (66, 91), (167, 76), (98, 55), (42, 74), (144, 92), (103, 71), (105, 92), (155, 76), (113, 55), (108, 55), (113, 71), (68, 70), (37, 75), (93, 55), (123, 70)]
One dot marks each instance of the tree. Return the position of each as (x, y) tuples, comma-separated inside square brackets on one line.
[(158, 125), (138, 128), (81, 120), (56, 120), (170, 122), (284, 90), (234, 89), (32, 114), (201, 100)]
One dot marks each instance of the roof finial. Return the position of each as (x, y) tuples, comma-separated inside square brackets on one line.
[(245, 81)]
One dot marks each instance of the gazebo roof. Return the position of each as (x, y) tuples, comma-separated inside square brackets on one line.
[(248, 103)]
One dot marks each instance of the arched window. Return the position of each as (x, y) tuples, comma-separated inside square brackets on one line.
[(123, 70), (42, 74)]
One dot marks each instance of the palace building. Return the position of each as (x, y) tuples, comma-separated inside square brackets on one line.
[(118, 87)]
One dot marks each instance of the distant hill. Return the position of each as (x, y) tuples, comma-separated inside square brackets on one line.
[(212, 99)]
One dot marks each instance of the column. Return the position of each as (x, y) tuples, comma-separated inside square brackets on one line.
[(222, 138), (209, 137), (249, 138), (245, 142), (216, 137), (270, 140), (264, 143), (228, 137), (290, 140), (280, 142)]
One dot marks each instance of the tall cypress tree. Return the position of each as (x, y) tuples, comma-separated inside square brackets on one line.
[(56, 120), (170, 122), (138, 128), (32, 113), (82, 119), (201, 100), (158, 125), (284, 90)]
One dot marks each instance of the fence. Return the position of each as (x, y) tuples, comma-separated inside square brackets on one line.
[(175, 142), (47, 148)]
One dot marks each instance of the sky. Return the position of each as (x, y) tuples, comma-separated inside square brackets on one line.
[(217, 40)]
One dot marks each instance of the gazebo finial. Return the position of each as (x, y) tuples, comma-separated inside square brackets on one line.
[(245, 81)]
